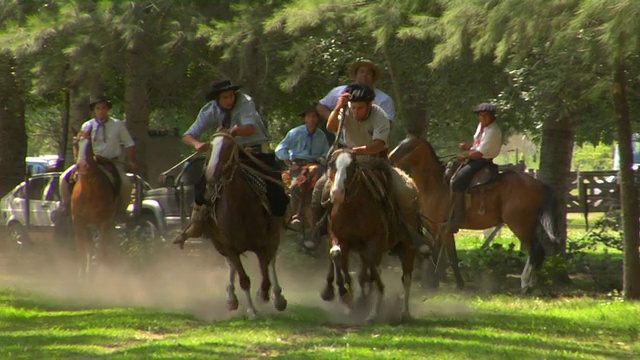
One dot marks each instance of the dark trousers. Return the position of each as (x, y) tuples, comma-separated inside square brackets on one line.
[(461, 182)]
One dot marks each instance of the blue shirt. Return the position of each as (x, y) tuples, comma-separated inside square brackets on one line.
[(243, 113), (299, 144)]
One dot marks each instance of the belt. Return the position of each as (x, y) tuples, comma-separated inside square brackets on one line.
[(300, 161)]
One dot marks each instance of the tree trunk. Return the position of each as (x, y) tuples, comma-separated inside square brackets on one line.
[(137, 98), (13, 136), (628, 191), (558, 135)]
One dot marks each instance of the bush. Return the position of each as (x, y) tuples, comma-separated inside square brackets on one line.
[(490, 267)]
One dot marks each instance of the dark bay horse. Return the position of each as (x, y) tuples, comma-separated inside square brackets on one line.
[(93, 204), (359, 222), (523, 203), (240, 222)]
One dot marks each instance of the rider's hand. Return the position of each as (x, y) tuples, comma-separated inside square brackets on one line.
[(294, 167), (321, 160), (133, 166), (234, 130), (201, 147), (464, 146), (342, 100), (461, 157)]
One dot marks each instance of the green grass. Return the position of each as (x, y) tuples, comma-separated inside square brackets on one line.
[(446, 327)]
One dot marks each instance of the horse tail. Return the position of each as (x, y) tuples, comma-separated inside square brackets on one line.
[(546, 230)]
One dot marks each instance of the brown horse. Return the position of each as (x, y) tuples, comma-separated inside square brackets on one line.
[(93, 204), (240, 221), (359, 222), (523, 203)]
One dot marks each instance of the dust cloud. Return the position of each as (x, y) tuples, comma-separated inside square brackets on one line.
[(194, 281)]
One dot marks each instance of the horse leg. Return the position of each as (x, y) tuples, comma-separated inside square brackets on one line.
[(341, 269), (83, 237), (328, 293), (279, 301), (407, 260), (452, 254), (103, 249), (245, 285), (526, 278), (364, 279), (232, 299), (265, 286), (377, 300)]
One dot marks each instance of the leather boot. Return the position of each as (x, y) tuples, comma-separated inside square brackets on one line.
[(319, 226), (196, 225), (458, 215)]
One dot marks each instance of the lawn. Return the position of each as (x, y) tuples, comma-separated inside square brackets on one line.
[(174, 308)]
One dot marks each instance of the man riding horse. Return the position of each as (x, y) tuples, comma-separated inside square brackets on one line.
[(107, 134), (231, 109), (487, 142), (303, 145), (365, 129)]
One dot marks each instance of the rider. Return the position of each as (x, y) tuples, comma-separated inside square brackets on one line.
[(365, 130), (487, 142), (107, 133), (366, 73), (230, 109), (303, 144)]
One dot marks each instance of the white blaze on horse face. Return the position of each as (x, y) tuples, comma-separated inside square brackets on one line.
[(216, 150), (338, 187)]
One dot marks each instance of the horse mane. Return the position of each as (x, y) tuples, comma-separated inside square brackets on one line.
[(431, 150)]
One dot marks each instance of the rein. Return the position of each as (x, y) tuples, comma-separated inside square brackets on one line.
[(234, 161)]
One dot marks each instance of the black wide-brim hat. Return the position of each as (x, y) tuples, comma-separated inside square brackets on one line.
[(99, 100), (219, 87), (311, 108)]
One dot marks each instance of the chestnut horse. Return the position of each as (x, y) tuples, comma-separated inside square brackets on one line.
[(523, 203), (239, 220), (359, 222), (93, 204)]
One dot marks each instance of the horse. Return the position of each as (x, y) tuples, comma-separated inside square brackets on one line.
[(93, 203), (359, 222), (526, 205), (240, 220)]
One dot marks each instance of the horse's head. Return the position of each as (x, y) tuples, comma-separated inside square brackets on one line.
[(85, 151), (413, 152), (223, 158), (342, 171)]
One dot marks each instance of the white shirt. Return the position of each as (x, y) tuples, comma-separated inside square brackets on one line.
[(382, 99), (488, 141), (106, 137)]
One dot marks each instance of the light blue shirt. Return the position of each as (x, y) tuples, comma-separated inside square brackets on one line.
[(243, 113), (299, 144), (382, 99)]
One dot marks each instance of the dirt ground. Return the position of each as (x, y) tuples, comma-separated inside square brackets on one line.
[(191, 281)]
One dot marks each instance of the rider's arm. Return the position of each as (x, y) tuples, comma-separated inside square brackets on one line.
[(333, 122), (206, 120), (371, 148), (323, 110), (282, 150), (327, 103)]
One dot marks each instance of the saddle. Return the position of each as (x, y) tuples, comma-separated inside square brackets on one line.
[(488, 174), (273, 196)]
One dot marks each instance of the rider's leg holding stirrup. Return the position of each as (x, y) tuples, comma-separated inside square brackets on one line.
[(318, 214), (196, 225)]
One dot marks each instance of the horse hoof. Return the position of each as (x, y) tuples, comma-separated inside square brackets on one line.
[(370, 319), (263, 295), (232, 304), (347, 298), (328, 293), (280, 303), (251, 314)]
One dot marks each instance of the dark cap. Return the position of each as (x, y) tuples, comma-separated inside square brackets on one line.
[(310, 108), (219, 87), (360, 93), (99, 100)]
